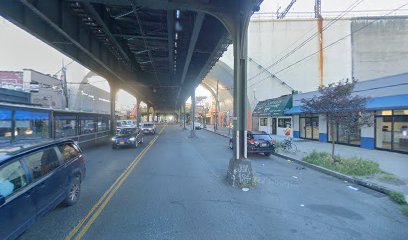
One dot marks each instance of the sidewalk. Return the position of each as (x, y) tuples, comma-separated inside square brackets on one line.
[(390, 162)]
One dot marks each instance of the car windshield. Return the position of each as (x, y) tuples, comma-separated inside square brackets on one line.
[(264, 137), (127, 131), (148, 125)]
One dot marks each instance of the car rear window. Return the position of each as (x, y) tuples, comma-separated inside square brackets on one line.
[(68, 151), (264, 137)]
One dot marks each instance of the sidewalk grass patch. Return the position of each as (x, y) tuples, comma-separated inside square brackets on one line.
[(387, 177), (404, 209), (397, 197), (350, 166)]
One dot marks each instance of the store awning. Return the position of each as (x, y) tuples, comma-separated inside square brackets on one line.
[(388, 103), (273, 107), (379, 103), (295, 110)]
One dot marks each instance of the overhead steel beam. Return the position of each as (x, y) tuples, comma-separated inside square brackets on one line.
[(132, 36), (191, 5), (207, 67), (88, 6), (170, 32), (135, 12), (198, 23), (54, 22)]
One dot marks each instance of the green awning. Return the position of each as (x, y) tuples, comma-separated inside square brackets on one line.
[(273, 107)]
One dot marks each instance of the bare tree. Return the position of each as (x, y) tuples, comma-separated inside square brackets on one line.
[(341, 108)]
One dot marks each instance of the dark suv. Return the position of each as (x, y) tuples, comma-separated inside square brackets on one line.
[(258, 142), (34, 179)]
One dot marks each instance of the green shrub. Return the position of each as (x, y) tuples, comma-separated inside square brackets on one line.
[(397, 197), (350, 166), (404, 209)]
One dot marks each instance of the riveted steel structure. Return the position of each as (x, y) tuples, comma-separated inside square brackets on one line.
[(157, 50)]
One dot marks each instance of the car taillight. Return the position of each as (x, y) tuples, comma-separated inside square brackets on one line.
[(251, 141)]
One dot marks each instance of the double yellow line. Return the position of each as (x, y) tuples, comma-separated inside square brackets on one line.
[(79, 230)]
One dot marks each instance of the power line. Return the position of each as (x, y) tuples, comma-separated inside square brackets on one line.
[(351, 7), (340, 39)]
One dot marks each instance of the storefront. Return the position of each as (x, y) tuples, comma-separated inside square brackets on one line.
[(387, 104), (270, 115), (391, 130)]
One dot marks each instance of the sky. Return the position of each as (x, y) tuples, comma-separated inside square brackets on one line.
[(19, 49)]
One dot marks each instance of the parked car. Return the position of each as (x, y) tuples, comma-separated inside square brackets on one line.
[(258, 142), (197, 126), (148, 128), (34, 179), (126, 137)]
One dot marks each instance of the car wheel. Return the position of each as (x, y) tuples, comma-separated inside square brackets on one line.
[(114, 147), (74, 191), (267, 154), (231, 145)]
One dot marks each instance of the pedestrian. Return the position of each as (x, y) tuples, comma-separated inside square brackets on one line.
[(287, 131)]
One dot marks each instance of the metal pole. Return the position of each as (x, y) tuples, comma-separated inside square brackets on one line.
[(193, 103), (184, 115)]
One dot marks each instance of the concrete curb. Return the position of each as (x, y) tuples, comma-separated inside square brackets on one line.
[(220, 134), (338, 175)]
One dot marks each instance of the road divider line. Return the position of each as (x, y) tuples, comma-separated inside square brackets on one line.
[(106, 197)]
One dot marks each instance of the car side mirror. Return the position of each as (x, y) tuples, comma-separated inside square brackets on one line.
[(2, 200)]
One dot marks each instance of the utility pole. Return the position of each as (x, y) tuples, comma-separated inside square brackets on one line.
[(318, 15)]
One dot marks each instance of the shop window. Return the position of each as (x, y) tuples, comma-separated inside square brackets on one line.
[(88, 124), (103, 123), (392, 131), (65, 126), (5, 125), (263, 121), (284, 122), (31, 124)]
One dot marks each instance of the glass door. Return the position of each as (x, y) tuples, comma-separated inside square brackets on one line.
[(274, 126)]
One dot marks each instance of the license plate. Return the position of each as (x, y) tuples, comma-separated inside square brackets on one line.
[(263, 145), (121, 143)]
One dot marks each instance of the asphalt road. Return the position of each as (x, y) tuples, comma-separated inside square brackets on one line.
[(176, 189)]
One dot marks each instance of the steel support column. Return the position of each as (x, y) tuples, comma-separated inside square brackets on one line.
[(240, 169), (113, 91), (184, 115)]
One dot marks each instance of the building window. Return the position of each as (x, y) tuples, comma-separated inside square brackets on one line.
[(284, 122), (263, 122), (65, 126), (31, 125), (392, 130), (5, 125), (309, 127)]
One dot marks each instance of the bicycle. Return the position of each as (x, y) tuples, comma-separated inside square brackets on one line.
[(288, 145)]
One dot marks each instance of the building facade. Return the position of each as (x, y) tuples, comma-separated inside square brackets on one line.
[(388, 103), (270, 115)]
